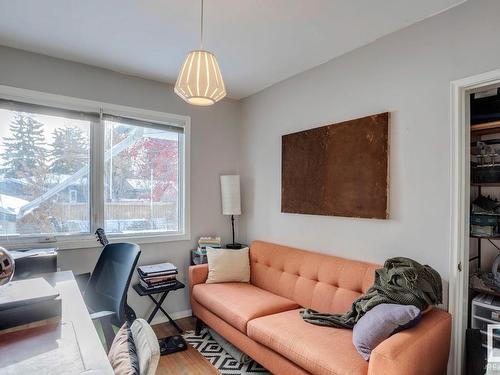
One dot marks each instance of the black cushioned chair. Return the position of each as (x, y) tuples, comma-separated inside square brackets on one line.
[(106, 291)]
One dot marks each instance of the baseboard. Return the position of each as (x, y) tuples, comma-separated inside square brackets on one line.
[(160, 318)]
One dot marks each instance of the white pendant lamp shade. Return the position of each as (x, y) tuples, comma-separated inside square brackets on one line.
[(200, 80)]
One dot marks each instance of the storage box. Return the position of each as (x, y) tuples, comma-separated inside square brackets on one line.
[(197, 258), (30, 313), (482, 174), (483, 230), (484, 219), (28, 301)]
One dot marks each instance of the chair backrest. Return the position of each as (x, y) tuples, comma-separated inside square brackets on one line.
[(108, 285)]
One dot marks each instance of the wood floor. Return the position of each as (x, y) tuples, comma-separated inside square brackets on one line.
[(188, 362)]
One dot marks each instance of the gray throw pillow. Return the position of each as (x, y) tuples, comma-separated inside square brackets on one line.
[(380, 323)]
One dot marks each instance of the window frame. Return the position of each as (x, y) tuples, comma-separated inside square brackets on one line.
[(81, 241)]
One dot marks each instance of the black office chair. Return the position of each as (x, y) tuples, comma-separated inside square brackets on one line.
[(106, 291)]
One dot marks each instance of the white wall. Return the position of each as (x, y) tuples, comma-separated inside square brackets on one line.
[(407, 73), (215, 140)]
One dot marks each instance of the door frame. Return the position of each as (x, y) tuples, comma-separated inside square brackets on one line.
[(459, 207)]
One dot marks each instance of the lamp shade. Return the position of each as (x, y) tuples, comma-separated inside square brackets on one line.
[(230, 193), (200, 80)]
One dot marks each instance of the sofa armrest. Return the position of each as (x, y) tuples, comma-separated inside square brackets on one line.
[(197, 275), (421, 350)]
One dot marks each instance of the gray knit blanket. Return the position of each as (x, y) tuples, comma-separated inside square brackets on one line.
[(401, 281)]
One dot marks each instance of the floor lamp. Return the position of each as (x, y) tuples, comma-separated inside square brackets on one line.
[(231, 202)]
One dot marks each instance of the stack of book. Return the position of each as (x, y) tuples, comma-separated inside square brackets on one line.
[(157, 276), (204, 242)]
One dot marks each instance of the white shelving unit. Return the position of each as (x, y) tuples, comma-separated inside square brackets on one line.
[(485, 310)]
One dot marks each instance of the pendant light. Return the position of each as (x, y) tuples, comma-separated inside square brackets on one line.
[(200, 80)]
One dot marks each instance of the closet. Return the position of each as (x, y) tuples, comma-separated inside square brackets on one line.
[(484, 245)]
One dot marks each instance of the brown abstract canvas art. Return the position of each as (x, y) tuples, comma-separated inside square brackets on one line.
[(337, 170)]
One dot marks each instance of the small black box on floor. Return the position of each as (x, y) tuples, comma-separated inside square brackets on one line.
[(172, 344)]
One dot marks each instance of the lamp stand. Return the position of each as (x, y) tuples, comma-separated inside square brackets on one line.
[(233, 245)]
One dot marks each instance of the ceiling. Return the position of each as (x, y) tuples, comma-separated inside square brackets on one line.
[(257, 42)]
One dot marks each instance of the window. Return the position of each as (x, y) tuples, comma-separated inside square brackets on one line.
[(44, 161), (64, 173), (141, 175)]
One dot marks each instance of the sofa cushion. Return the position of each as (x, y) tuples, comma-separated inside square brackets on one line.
[(317, 349), (318, 281), (237, 303)]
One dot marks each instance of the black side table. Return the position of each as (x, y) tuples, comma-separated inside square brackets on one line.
[(164, 292)]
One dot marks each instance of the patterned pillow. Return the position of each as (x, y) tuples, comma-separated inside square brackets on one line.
[(380, 323), (122, 354)]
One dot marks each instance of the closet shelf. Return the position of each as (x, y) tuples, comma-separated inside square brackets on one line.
[(485, 128), (486, 184), (497, 237)]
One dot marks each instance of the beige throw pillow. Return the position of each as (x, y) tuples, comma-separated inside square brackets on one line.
[(228, 265), (147, 347)]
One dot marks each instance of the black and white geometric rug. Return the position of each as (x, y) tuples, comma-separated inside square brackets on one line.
[(219, 358)]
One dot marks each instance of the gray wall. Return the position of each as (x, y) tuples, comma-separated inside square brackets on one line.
[(215, 144), (407, 73)]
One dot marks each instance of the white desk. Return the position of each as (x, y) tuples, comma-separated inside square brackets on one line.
[(70, 346)]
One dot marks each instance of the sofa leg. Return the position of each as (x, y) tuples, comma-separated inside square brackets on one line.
[(199, 326)]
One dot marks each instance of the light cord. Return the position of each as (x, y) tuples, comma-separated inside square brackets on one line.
[(201, 26)]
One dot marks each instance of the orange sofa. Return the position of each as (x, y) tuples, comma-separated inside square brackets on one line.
[(262, 317)]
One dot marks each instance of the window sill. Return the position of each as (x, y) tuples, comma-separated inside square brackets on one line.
[(88, 242)]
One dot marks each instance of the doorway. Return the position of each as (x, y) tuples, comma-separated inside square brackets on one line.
[(460, 195)]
